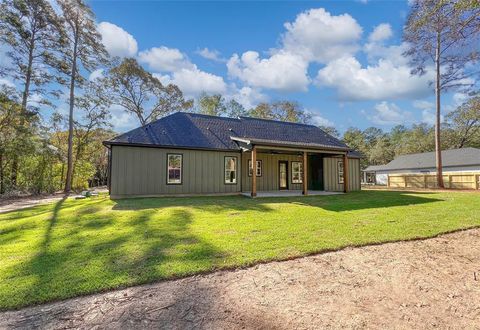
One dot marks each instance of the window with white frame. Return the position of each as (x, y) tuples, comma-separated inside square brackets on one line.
[(230, 170), (297, 172), (259, 168), (174, 168), (340, 171)]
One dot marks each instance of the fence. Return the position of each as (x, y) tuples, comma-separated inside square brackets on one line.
[(453, 181)]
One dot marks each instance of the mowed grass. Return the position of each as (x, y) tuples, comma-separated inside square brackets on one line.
[(76, 247)]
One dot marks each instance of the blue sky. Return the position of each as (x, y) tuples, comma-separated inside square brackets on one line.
[(341, 60)]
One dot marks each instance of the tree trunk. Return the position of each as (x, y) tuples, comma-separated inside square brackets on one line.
[(69, 179), (26, 92), (438, 146), (2, 186)]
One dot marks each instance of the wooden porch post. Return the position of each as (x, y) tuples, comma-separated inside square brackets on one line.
[(254, 171), (345, 173), (304, 179)]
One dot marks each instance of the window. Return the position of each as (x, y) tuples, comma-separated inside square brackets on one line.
[(259, 168), (174, 168), (340, 171), (230, 170), (297, 172)]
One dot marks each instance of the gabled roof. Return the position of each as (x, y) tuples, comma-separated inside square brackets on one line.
[(188, 130), (450, 158)]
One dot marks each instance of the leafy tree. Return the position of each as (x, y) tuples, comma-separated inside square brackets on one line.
[(29, 29), (282, 110), (262, 110), (464, 124), (94, 104), (235, 109), (83, 50), (443, 33), (137, 90), (213, 105), (330, 130)]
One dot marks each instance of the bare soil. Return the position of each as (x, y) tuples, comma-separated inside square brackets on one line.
[(432, 283)]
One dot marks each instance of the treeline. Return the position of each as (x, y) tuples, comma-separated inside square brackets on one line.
[(54, 114), (460, 129)]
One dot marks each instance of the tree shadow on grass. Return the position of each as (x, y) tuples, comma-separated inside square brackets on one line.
[(86, 254), (338, 203)]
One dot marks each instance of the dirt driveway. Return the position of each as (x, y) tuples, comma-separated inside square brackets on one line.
[(433, 283)]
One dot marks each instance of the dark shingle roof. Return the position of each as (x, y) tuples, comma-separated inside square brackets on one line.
[(453, 157), (188, 130)]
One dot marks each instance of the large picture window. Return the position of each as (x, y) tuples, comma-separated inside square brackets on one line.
[(297, 172), (230, 170), (259, 168), (340, 171), (174, 168)]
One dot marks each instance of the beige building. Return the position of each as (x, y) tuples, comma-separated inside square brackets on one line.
[(192, 154)]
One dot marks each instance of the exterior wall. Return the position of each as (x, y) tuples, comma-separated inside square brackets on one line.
[(269, 179), (137, 171), (433, 170), (331, 178)]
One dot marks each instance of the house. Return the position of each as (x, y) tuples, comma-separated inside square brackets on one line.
[(187, 154), (454, 161)]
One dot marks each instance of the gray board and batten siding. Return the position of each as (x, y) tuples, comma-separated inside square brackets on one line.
[(142, 171)]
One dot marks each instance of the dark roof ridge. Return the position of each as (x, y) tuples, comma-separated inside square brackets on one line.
[(277, 121)]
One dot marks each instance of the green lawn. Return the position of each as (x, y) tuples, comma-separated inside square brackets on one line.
[(76, 247)]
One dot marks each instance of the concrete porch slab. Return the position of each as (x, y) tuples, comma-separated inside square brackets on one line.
[(291, 193)]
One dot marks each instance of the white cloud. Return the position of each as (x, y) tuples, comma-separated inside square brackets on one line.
[(318, 36), (381, 32), (165, 59), (194, 81), (423, 105), (319, 120), (6, 82), (429, 117), (96, 74), (282, 71), (117, 41), (390, 114), (384, 80), (247, 96), (121, 120), (210, 54)]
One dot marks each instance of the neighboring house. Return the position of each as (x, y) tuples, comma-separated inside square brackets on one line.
[(185, 154), (454, 160)]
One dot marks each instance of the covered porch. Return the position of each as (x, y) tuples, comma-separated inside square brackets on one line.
[(277, 168)]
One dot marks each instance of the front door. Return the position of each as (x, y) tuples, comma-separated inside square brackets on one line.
[(283, 174), (315, 172)]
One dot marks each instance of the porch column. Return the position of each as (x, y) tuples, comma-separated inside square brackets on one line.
[(254, 171), (345, 173), (304, 179)]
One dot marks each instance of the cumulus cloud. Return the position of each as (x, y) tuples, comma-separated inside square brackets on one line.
[(165, 59), (247, 96), (96, 74), (384, 80), (174, 67), (318, 36), (210, 54), (282, 71), (117, 41), (389, 114), (194, 81), (318, 120), (381, 32)]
